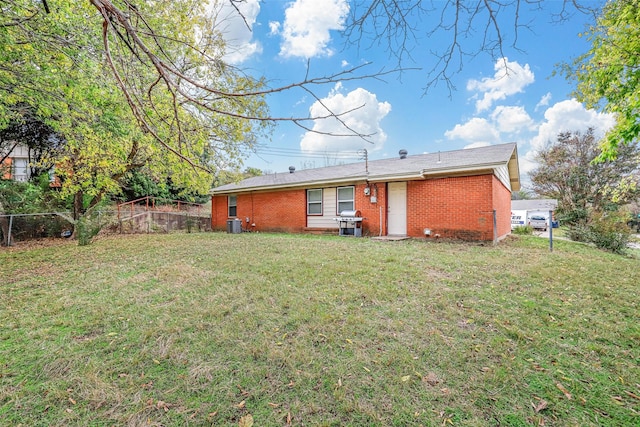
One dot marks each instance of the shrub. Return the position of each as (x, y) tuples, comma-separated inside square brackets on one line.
[(87, 227), (523, 229), (610, 232), (607, 231)]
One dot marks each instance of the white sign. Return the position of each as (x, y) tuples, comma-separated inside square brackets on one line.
[(518, 219)]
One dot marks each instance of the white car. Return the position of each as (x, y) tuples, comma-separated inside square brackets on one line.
[(538, 222)]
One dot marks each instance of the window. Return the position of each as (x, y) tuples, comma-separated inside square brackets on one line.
[(314, 202), (232, 202), (21, 169), (346, 199)]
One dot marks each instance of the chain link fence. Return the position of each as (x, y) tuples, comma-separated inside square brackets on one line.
[(45, 225)]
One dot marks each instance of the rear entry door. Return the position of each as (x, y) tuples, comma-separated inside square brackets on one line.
[(397, 209)]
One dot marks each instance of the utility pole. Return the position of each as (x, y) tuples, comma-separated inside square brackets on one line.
[(366, 160)]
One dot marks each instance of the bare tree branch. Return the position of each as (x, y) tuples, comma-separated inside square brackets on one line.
[(472, 27), (186, 89)]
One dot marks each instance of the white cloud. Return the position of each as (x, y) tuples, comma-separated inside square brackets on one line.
[(306, 27), (569, 116), (365, 118), (236, 28), (274, 28), (509, 78), (513, 119), (565, 116), (526, 163), (476, 130), (345, 63), (476, 145), (544, 101)]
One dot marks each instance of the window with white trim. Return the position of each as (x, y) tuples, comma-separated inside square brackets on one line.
[(232, 204), (346, 199), (314, 201)]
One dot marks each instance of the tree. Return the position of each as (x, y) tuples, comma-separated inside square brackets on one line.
[(23, 198), (522, 194), (567, 172), (589, 193), (85, 81), (78, 63), (608, 75)]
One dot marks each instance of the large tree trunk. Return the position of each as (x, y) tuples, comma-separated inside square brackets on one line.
[(78, 211), (78, 204)]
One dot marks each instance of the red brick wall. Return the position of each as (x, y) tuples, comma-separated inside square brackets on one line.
[(219, 212), (371, 211), (502, 205), (459, 208), (283, 211)]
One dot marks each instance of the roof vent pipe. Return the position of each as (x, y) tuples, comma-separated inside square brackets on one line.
[(292, 169), (403, 153)]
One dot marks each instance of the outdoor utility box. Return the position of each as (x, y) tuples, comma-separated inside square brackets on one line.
[(234, 226)]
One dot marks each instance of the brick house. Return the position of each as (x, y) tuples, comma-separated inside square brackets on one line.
[(462, 194)]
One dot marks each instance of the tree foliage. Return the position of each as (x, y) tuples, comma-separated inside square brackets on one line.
[(138, 84), (589, 193), (127, 86), (567, 172), (608, 75), (40, 139)]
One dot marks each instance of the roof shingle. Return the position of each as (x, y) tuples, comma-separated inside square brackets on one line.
[(416, 167)]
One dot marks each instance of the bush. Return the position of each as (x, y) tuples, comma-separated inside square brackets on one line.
[(523, 229), (87, 227), (579, 233), (607, 231), (610, 232)]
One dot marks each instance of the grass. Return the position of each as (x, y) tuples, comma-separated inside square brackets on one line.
[(218, 329)]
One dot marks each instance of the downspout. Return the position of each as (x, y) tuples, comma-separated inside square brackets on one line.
[(495, 228)]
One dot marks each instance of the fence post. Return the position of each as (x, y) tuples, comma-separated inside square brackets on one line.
[(9, 233), (119, 219), (551, 231), (495, 228)]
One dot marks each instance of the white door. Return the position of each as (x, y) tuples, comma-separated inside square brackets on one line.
[(397, 209)]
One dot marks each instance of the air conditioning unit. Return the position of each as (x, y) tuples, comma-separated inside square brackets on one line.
[(234, 226)]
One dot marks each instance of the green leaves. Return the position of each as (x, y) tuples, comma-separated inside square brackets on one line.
[(608, 75), (149, 89)]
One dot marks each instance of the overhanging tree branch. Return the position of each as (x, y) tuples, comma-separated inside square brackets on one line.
[(472, 28)]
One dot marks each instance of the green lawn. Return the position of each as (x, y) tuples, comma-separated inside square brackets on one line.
[(225, 329)]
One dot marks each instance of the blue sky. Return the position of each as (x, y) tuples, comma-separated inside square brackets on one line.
[(526, 105)]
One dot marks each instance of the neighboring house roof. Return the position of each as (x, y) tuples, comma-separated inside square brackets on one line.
[(500, 159), (534, 205)]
